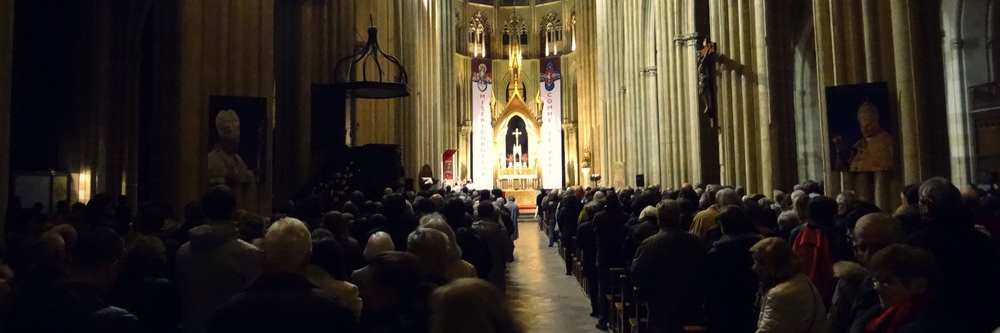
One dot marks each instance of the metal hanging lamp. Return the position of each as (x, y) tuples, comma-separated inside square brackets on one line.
[(371, 55)]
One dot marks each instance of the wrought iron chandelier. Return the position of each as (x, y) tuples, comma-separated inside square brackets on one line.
[(371, 55)]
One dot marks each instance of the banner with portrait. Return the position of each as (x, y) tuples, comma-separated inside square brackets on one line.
[(550, 159), (482, 124), (862, 137)]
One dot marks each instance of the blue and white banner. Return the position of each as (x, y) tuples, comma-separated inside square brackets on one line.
[(551, 136)]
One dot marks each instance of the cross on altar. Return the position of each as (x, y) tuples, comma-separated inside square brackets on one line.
[(517, 135)]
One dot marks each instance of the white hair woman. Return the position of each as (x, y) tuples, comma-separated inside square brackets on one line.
[(790, 303), (433, 249), (378, 243), (471, 306)]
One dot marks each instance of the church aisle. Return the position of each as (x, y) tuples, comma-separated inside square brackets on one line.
[(541, 295)]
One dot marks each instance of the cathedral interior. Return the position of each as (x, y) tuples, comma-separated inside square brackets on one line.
[(160, 101), (115, 95)]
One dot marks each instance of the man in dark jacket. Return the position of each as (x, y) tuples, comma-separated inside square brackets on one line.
[(566, 217), (731, 283), (587, 242), (666, 269), (282, 299), (610, 232), (967, 259), (215, 264)]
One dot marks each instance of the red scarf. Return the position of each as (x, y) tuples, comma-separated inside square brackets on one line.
[(893, 318)]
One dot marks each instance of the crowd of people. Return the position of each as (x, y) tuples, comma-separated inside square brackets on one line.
[(717, 258), (436, 261), (337, 260)]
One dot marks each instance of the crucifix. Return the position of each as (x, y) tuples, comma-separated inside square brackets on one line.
[(517, 135)]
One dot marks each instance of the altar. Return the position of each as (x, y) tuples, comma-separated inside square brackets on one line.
[(517, 139)]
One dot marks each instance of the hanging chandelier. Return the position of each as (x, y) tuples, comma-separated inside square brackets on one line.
[(376, 86)]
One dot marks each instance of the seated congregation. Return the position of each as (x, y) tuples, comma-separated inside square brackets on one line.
[(698, 258), (404, 263), (715, 259)]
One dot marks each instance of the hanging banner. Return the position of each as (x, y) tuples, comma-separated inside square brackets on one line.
[(482, 124), (551, 96), (448, 167)]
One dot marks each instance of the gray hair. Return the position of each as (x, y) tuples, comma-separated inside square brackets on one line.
[(939, 198), (726, 197), (437, 222), (287, 245), (431, 246)]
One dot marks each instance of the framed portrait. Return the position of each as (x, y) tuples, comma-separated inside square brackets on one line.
[(237, 139), (861, 130)]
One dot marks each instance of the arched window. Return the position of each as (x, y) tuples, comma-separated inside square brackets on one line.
[(479, 36), (515, 33), (552, 33)]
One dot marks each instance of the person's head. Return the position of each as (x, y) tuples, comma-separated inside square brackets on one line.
[(726, 197), (612, 202), (872, 233), (432, 247), (436, 221), (328, 255), (287, 246), (470, 305), (486, 211), (600, 197), (800, 204), (397, 282), (378, 243), (774, 261), (648, 214), (868, 120), (336, 223), (734, 221), (902, 273), (96, 257), (910, 195), (668, 213), (227, 125), (844, 201), (940, 201), (219, 204), (822, 211), (151, 218)]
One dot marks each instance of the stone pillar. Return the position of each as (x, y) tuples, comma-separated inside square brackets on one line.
[(905, 57), (6, 56)]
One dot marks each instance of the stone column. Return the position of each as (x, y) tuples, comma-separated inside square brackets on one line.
[(905, 56), (6, 56)]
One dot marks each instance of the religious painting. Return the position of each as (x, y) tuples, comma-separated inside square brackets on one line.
[(237, 138), (860, 127), (516, 144)]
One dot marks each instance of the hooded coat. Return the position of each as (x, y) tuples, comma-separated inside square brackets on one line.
[(212, 267)]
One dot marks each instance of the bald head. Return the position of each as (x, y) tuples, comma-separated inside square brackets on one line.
[(874, 232)]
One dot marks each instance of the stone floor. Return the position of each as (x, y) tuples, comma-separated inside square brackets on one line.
[(543, 297)]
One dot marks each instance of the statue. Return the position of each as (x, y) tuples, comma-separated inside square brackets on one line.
[(585, 161), (707, 57), (225, 166)]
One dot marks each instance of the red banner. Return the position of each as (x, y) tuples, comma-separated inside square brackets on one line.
[(448, 165)]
